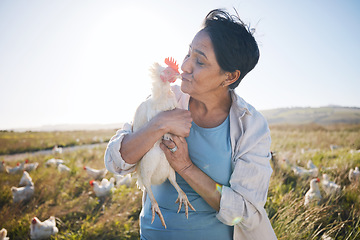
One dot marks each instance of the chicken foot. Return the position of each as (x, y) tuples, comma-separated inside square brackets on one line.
[(154, 205), (182, 198)]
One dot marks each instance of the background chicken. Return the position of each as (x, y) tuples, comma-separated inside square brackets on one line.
[(57, 150), (123, 180), (22, 193), (3, 167), (17, 169), (95, 173), (53, 162), (354, 174), (43, 230), (330, 187), (63, 168), (311, 165), (313, 194), (303, 172), (103, 188), (154, 168), (30, 166), (26, 180), (3, 233)]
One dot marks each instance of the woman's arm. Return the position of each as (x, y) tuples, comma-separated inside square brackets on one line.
[(206, 187), (136, 144)]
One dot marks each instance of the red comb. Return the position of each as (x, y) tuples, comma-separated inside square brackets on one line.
[(172, 63)]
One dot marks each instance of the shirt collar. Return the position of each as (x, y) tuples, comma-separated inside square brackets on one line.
[(239, 104)]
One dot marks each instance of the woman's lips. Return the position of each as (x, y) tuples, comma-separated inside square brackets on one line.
[(184, 79)]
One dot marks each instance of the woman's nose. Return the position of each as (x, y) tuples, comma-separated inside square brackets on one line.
[(186, 65)]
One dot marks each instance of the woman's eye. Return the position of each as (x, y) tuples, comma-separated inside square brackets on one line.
[(198, 62)]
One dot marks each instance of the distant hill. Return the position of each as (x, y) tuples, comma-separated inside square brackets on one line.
[(322, 115)]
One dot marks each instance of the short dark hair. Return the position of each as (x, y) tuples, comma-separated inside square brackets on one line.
[(234, 44)]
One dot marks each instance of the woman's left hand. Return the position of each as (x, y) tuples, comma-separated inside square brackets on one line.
[(179, 160)]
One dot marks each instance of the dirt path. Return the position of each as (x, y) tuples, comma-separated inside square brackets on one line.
[(14, 157)]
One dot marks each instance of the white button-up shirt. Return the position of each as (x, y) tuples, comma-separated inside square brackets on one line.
[(241, 204)]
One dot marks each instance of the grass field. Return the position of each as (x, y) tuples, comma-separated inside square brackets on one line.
[(82, 215)]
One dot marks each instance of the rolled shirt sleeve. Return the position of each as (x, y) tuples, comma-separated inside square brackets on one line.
[(242, 201), (112, 159)]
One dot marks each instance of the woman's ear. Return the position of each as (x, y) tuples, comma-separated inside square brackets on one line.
[(231, 77)]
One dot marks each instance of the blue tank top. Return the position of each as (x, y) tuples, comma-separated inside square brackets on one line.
[(210, 150)]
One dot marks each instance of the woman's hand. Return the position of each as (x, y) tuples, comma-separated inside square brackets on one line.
[(197, 179), (179, 160), (176, 122)]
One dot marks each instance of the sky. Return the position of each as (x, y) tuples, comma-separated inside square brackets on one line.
[(87, 61)]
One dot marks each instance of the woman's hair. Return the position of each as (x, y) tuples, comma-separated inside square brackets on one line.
[(234, 45)]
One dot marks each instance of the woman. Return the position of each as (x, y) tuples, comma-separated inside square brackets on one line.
[(221, 144)]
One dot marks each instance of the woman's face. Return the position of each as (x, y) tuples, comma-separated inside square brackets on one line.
[(201, 72)]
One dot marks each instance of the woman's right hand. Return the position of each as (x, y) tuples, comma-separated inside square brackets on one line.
[(176, 122)]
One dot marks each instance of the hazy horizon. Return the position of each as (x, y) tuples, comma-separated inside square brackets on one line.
[(118, 125)]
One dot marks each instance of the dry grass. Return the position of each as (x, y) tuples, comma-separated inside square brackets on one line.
[(69, 197), (81, 215), (336, 216)]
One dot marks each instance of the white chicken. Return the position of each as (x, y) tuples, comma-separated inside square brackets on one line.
[(63, 168), (285, 164), (96, 173), (3, 233), (103, 188), (354, 175), (26, 180), (330, 187), (53, 162), (22, 193), (3, 167), (57, 150), (313, 194), (302, 172), (30, 166), (153, 168), (43, 230), (17, 169), (310, 165), (123, 180)]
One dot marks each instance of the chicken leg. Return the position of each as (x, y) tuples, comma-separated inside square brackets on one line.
[(182, 198), (154, 205)]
